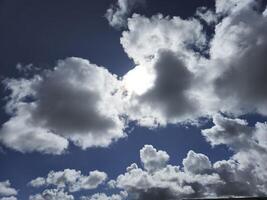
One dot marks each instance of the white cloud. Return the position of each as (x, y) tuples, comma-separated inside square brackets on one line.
[(247, 167), (6, 189), (168, 70), (244, 174), (152, 159), (196, 163), (117, 14), (52, 194), (9, 198), (232, 132), (180, 84), (71, 102), (146, 36), (265, 12), (71, 180), (238, 57), (169, 182), (207, 15), (102, 196), (38, 182)]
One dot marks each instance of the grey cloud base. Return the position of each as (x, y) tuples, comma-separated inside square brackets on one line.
[(244, 174), (70, 102)]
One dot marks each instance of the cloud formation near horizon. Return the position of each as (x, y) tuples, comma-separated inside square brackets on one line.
[(70, 180), (7, 192), (244, 174)]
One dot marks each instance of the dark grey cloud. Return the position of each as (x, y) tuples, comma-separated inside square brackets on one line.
[(156, 194), (166, 66), (183, 85), (66, 105), (238, 49), (169, 93), (70, 102)]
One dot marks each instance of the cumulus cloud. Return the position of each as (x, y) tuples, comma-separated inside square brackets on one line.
[(168, 69), (196, 163), (152, 159), (117, 14), (52, 194), (70, 102), (6, 189), (177, 82), (232, 132), (9, 198), (146, 36), (71, 180), (102, 196), (169, 182), (238, 55), (38, 182), (197, 178), (247, 166)]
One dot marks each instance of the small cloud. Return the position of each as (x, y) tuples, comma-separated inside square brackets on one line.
[(117, 14)]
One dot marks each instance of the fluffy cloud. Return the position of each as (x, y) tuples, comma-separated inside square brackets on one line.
[(9, 198), (152, 159), (52, 194), (146, 36), (178, 82), (244, 174), (71, 180), (117, 14), (238, 52), (70, 102), (103, 196), (6, 189), (198, 177), (168, 69), (196, 163), (247, 167), (169, 181), (232, 132), (38, 182)]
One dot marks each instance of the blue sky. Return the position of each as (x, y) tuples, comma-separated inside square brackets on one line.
[(91, 87)]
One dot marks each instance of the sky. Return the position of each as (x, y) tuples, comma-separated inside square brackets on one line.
[(132, 99)]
